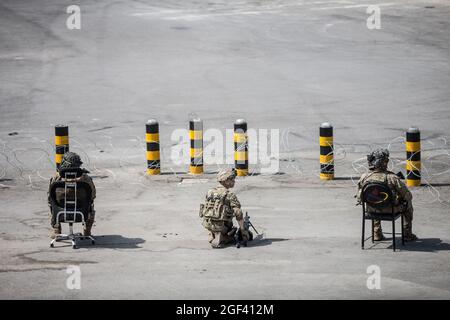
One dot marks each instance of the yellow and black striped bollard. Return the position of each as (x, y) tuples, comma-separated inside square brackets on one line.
[(196, 148), (413, 164), (61, 143), (241, 147), (326, 152), (152, 141)]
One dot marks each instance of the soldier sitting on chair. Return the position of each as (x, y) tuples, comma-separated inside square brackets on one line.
[(378, 162), (219, 209), (72, 160)]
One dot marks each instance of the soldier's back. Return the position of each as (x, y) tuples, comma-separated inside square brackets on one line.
[(218, 190)]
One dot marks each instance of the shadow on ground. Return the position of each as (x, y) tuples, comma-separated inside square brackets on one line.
[(427, 245), (421, 245), (116, 241), (436, 184), (259, 241)]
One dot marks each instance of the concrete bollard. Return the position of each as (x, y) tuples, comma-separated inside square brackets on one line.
[(153, 153), (326, 152), (241, 147), (413, 164), (196, 148), (61, 143)]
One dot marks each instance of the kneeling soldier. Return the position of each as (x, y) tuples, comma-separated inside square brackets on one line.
[(219, 209)]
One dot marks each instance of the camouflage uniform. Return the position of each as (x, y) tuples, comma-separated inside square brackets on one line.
[(220, 207), (84, 178), (72, 160), (401, 193)]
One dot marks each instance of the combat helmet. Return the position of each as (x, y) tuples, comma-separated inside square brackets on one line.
[(378, 159), (70, 160), (225, 174)]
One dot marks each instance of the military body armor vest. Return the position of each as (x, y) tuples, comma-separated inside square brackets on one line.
[(216, 211), (381, 177)]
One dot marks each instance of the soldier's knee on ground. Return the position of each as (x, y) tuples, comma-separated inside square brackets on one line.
[(216, 241), (232, 232), (210, 237), (221, 239)]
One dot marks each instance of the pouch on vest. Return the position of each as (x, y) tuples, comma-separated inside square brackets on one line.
[(214, 206)]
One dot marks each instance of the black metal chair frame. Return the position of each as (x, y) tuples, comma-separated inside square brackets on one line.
[(393, 216), (72, 211)]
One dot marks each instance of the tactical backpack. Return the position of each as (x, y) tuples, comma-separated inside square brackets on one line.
[(215, 206), (372, 184), (215, 211)]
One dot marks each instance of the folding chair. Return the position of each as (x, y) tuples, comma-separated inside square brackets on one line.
[(71, 202), (378, 196)]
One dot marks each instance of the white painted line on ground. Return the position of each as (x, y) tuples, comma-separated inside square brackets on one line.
[(354, 6)]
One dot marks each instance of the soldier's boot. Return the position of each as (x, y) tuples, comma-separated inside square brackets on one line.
[(217, 242), (409, 236), (55, 232), (379, 236), (210, 237), (377, 231), (87, 228), (407, 227), (221, 240)]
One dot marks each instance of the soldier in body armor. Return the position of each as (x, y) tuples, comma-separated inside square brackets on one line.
[(378, 161), (71, 160), (220, 207)]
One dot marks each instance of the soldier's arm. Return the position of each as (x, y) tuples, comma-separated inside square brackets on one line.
[(401, 188), (358, 192), (48, 192), (88, 179), (235, 206), (52, 180)]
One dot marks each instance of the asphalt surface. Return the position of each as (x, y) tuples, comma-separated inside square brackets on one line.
[(286, 65)]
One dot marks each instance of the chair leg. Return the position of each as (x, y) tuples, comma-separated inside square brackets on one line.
[(363, 231), (393, 234), (373, 232), (403, 232)]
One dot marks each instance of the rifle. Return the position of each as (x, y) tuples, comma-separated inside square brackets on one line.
[(248, 223), (238, 234)]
